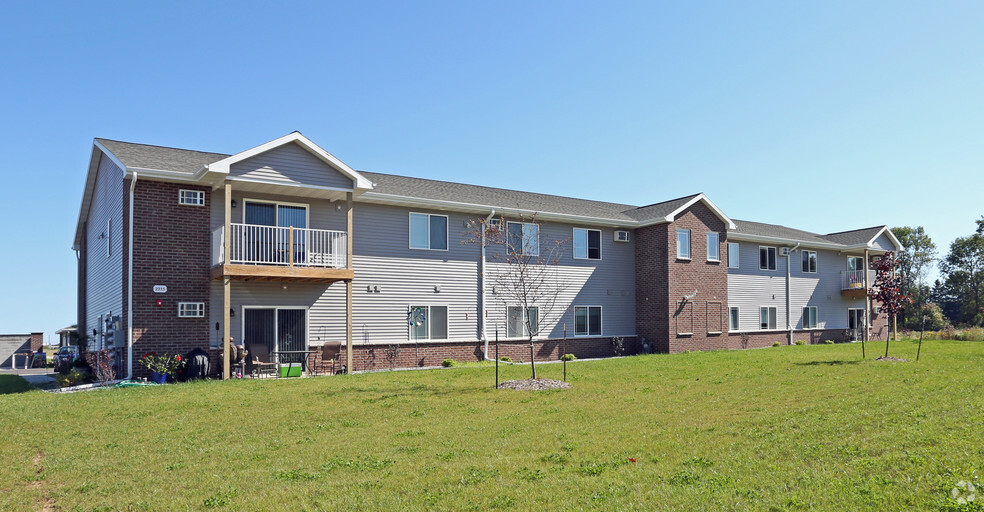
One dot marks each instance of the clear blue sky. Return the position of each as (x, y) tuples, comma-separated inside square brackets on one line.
[(820, 116)]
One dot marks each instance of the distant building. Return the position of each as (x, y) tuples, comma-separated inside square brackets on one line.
[(13, 343), (66, 335)]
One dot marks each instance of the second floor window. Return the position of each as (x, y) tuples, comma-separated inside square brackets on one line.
[(428, 231), (810, 262), (683, 244), (523, 238), (767, 258), (713, 247), (587, 244), (732, 255)]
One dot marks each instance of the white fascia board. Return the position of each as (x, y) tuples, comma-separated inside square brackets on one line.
[(222, 166), (261, 181), (701, 197), (891, 236), (379, 198), (743, 237)]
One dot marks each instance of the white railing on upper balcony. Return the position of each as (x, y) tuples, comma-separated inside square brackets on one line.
[(854, 279), (272, 245)]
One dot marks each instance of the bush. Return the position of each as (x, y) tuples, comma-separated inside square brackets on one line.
[(828, 342), (777, 344), (448, 363), (568, 357), (505, 359), (73, 378), (800, 342)]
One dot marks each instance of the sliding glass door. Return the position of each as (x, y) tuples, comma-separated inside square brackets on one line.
[(278, 333)]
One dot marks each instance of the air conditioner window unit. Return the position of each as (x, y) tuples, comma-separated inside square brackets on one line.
[(621, 236), (784, 251)]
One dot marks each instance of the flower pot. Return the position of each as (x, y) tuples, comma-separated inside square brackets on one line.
[(160, 378)]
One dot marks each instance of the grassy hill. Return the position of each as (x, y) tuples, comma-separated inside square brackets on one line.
[(788, 428)]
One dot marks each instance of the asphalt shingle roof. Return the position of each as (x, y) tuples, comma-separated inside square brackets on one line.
[(187, 161)]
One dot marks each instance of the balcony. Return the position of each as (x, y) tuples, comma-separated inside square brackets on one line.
[(271, 253), (852, 283)]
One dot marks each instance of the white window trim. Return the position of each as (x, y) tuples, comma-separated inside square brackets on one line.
[(307, 210), (199, 311), (848, 263), (427, 317), (736, 253), (447, 232), (587, 249), (601, 318), (523, 336), (198, 194), (523, 253), (717, 245), (816, 317), (690, 244), (738, 323), (774, 249), (816, 257), (776, 328), (863, 315)]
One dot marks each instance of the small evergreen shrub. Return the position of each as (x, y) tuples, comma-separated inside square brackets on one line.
[(505, 359), (568, 357), (800, 342), (448, 363), (777, 344), (828, 342)]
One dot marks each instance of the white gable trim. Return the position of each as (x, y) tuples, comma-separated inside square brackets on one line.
[(223, 166), (891, 236), (701, 197)]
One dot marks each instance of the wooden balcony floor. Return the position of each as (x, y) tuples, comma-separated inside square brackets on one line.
[(854, 293), (282, 273)]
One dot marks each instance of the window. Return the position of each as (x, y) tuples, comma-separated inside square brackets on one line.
[(733, 319), (191, 309), (191, 197), (428, 322), (516, 322), (855, 263), (810, 262), (810, 317), (428, 231), (732, 254), (495, 224), (713, 247), (767, 318), (109, 237), (855, 318), (587, 320), (683, 244), (587, 244), (523, 238), (767, 258)]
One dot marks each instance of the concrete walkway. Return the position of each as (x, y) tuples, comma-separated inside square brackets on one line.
[(41, 378)]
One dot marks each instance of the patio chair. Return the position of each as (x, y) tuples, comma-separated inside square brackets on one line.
[(259, 363), (329, 358)]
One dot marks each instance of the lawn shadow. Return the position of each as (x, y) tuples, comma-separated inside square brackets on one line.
[(836, 362), (10, 384)]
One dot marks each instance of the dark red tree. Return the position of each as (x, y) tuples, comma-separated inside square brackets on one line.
[(887, 289)]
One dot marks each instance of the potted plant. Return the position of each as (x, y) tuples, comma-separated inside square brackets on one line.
[(161, 366)]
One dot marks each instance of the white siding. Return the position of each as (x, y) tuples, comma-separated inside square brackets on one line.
[(104, 275), (291, 163)]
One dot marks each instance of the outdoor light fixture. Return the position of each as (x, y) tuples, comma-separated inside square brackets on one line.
[(232, 312), (234, 203)]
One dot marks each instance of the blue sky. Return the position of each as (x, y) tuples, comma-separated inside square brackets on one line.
[(820, 116)]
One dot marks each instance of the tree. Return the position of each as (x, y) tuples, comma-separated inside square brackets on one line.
[(963, 273), (887, 289), (914, 261), (525, 277)]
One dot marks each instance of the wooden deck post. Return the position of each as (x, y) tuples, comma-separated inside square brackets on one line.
[(867, 299), (226, 280), (348, 282)]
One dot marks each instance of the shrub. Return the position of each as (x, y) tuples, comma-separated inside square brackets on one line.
[(73, 378), (777, 344), (568, 357), (448, 363), (800, 342), (505, 359), (828, 342)]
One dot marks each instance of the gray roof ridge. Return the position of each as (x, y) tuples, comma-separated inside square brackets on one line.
[(688, 196), (854, 230)]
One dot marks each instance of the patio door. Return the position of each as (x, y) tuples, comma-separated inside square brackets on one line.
[(276, 242), (855, 322), (279, 330)]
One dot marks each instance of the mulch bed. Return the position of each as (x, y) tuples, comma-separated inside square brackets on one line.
[(534, 384), (890, 358)]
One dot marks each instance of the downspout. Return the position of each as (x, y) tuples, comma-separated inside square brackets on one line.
[(789, 326), (481, 312), (129, 288)]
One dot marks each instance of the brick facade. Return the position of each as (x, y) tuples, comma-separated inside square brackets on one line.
[(37, 341), (171, 247)]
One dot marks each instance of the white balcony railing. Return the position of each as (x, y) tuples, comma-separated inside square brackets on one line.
[(854, 279), (272, 245)]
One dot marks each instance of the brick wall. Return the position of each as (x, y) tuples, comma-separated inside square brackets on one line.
[(37, 340), (171, 247), (651, 280)]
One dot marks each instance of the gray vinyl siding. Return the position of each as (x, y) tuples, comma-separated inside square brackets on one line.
[(291, 163), (750, 289), (104, 276), (884, 243), (322, 213), (405, 277)]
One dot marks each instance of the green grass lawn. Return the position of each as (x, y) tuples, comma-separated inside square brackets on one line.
[(811, 427)]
